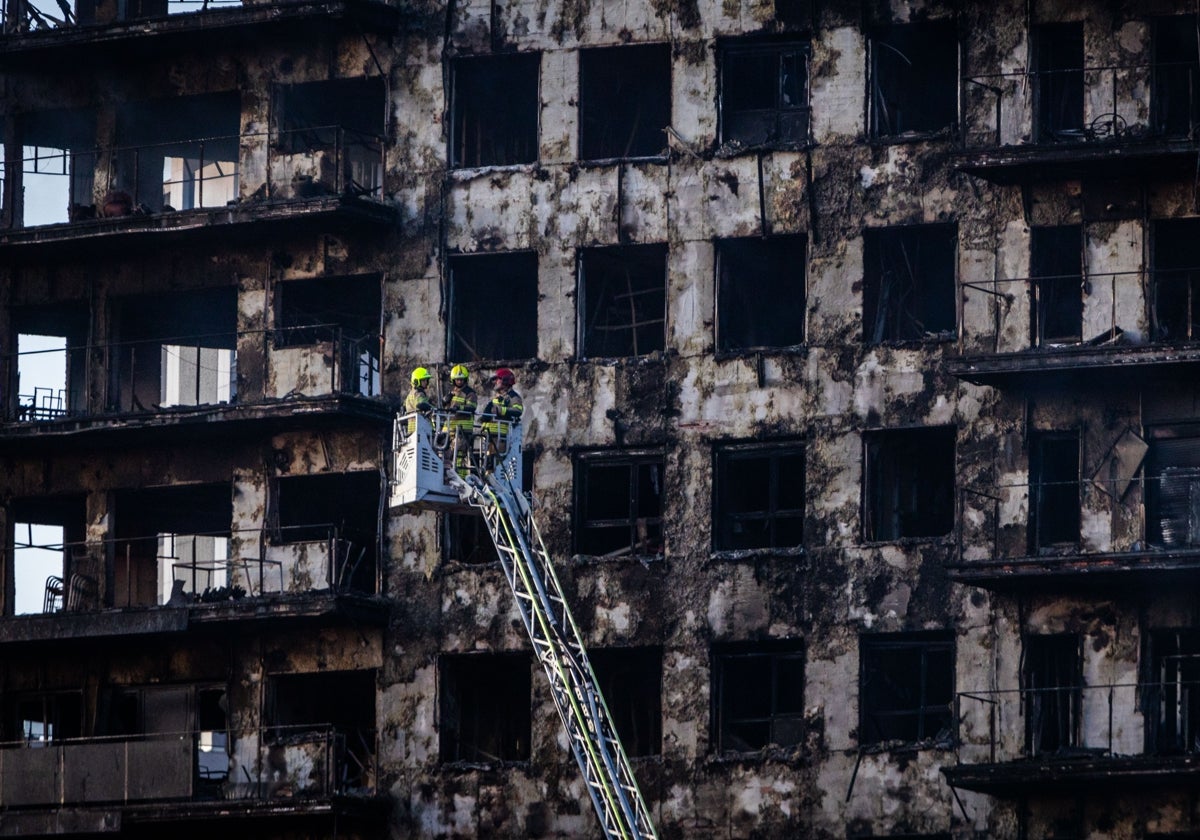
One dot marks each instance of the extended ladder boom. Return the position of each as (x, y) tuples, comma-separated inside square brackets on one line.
[(558, 645)]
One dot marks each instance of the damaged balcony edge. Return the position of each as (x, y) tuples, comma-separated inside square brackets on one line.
[(1099, 568), (1008, 165), (1016, 778), (1002, 368)]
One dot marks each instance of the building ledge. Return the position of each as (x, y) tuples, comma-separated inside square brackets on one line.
[(215, 420), (1079, 160), (195, 29), (1077, 569), (310, 607), (1052, 364), (243, 222), (1066, 774)]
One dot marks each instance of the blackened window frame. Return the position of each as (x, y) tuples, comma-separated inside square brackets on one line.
[(590, 301), (498, 271), (885, 646), (455, 668), (630, 678), (777, 654), (725, 456), (1052, 692), (1168, 72), (1056, 277), (1170, 679), (1053, 491), (780, 252), (894, 322), (876, 442), (635, 460), (935, 31), (1059, 94), (1175, 279), (466, 111), (594, 146), (795, 49)]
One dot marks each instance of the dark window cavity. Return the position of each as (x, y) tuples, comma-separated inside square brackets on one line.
[(914, 79), (340, 509), (759, 496), (1173, 486), (1175, 83), (1172, 693), (1054, 489), (50, 716), (908, 283), (51, 362), (1176, 280), (47, 532), (909, 480), (760, 293), (906, 689), (631, 681), (1056, 260), (493, 306), (465, 537), (624, 300), (495, 112), (1053, 678), (618, 504), (343, 315), (758, 696), (764, 93), (484, 707), (624, 101), (340, 704), (57, 168), (1058, 63)]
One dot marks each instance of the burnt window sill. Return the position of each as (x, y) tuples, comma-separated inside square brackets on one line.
[(946, 540), (468, 173), (949, 133), (733, 354), (793, 756), (598, 163), (601, 559), (930, 340), (456, 767), (733, 554), (906, 747), (735, 148)]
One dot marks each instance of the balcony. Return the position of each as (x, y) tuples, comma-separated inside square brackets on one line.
[(318, 373), (1070, 329), (324, 178), (172, 583), (1087, 122), (1076, 739), (309, 771), (1027, 536), (36, 33)]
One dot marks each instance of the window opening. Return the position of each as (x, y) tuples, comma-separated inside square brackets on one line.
[(1058, 58), (764, 93), (495, 114), (212, 735), (1175, 90), (909, 483), (758, 696), (618, 505), (760, 292), (624, 101), (1172, 469), (760, 496), (493, 306), (326, 717), (42, 373), (1176, 280), (631, 681), (908, 283), (47, 533), (1173, 693), (1053, 676), (624, 300), (1054, 490), (906, 689), (58, 165), (465, 537), (485, 707), (914, 79), (341, 314), (1057, 268), (338, 510), (41, 719)]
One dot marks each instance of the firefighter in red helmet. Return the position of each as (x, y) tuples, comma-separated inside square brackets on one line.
[(505, 404)]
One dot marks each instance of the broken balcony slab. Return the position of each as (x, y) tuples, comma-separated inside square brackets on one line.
[(242, 222), (1052, 365), (1078, 570), (364, 811), (71, 822), (305, 608), (168, 33), (1007, 165), (1068, 773)]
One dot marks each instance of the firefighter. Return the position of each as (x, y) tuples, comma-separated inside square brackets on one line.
[(417, 401), (505, 404), (461, 402)]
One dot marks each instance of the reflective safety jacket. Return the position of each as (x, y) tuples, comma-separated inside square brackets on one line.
[(417, 400), (463, 402), (505, 407)]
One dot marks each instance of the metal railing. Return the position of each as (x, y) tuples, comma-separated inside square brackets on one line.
[(295, 762), (1005, 523), (19, 17), (200, 370), (1106, 307), (1077, 722), (110, 182), (987, 98)]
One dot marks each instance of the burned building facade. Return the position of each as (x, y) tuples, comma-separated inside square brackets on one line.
[(857, 342)]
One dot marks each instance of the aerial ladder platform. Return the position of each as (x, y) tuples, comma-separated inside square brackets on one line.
[(438, 464)]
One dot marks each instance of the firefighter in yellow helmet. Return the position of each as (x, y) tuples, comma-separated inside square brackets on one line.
[(461, 402), (417, 401)]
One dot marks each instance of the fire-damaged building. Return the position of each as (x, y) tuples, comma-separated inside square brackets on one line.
[(860, 352)]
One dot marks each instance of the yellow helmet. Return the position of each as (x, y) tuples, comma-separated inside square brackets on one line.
[(459, 372), (419, 375)]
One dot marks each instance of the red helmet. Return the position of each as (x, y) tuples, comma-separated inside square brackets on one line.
[(505, 377)]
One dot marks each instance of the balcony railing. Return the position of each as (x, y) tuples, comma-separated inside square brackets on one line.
[(23, 16), (82, 185), (295, 763), (1076, 312), (1000, 104), (1078, 723)]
